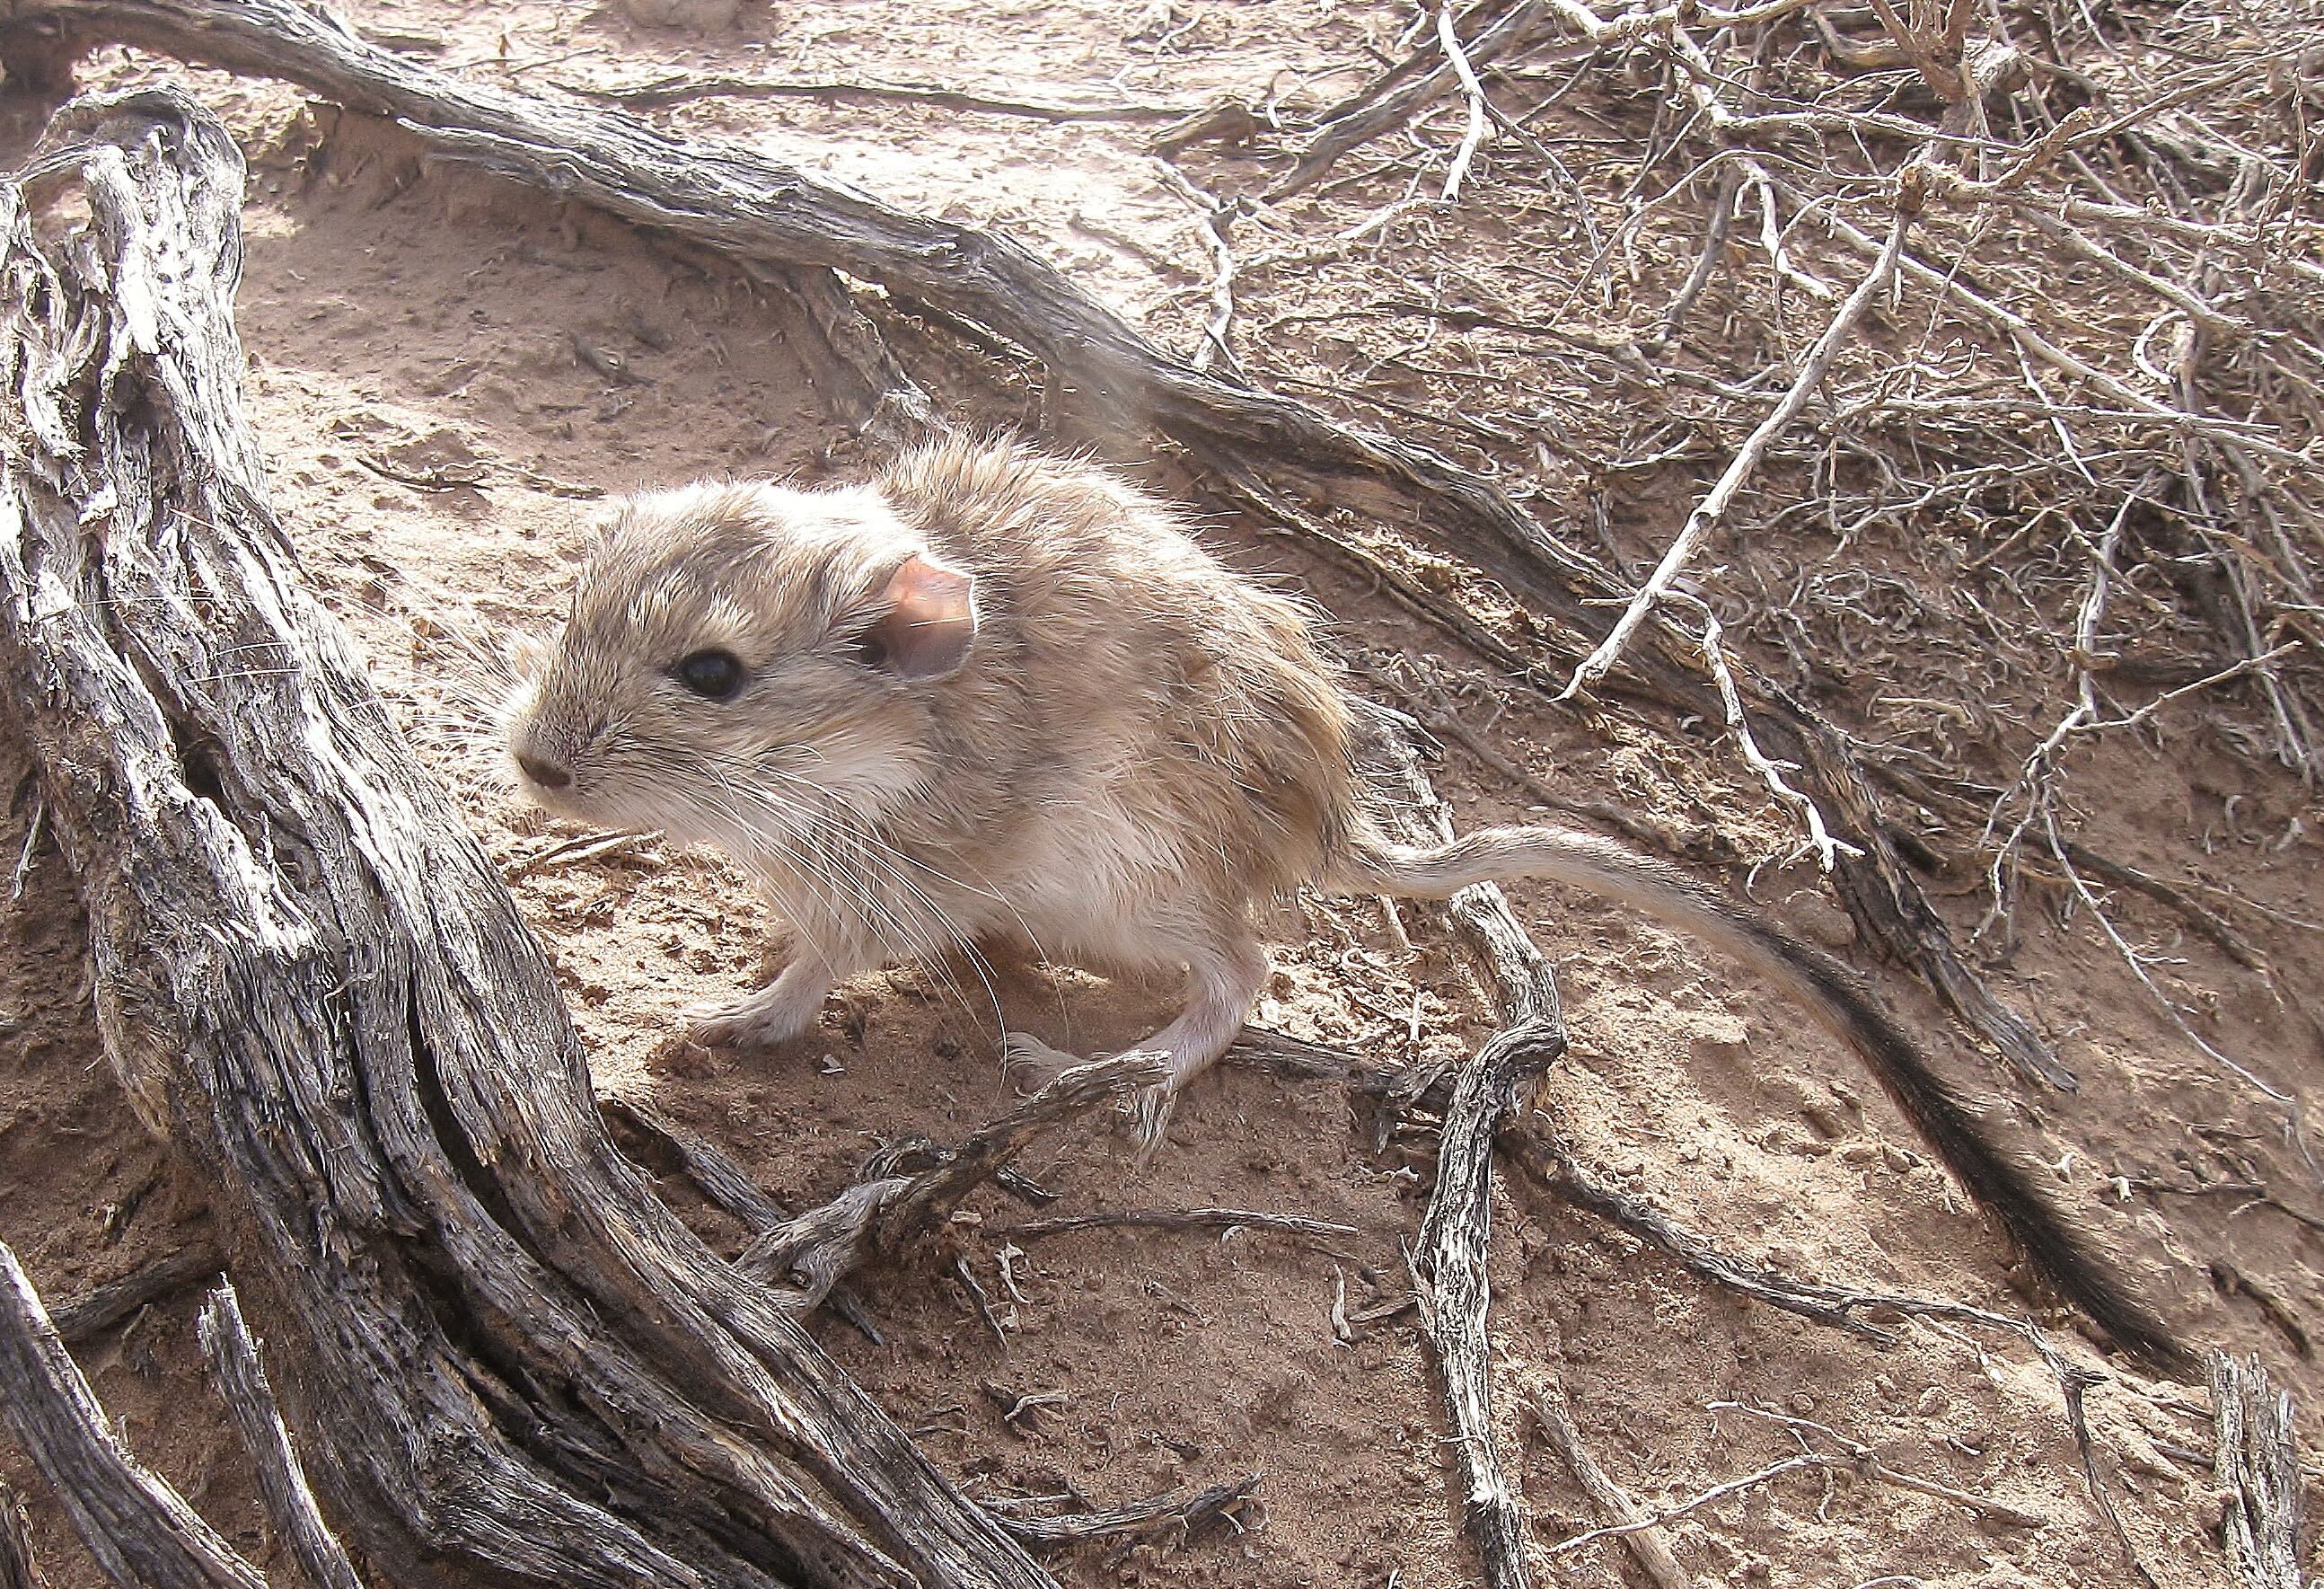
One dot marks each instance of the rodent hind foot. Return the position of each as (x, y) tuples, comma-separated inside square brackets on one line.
[(1149, 1116), (1027, 1064)]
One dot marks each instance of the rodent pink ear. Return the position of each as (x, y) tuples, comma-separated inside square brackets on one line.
[(929, 620)]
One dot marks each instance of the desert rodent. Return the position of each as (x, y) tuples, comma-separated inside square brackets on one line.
[(999, 694)]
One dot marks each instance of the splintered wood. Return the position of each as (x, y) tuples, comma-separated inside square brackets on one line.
[(2258, 1465), (139, 1529)]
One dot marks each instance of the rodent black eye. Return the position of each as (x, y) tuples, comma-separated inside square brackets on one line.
[(871, 649), (714, 675)]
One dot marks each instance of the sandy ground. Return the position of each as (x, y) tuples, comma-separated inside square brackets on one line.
[(412, 322)]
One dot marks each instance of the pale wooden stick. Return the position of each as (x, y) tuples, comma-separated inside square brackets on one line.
[(242, 1384), (1646, 1542), (1480, 124), (1713, 507)]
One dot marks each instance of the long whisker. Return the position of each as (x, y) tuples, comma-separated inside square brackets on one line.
[(870, 857), (834, 826)]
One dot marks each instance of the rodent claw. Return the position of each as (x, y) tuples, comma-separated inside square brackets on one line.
[(1149, 1116), (743, 1024)]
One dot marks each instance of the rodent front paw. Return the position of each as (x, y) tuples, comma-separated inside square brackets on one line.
[(755, 1023)]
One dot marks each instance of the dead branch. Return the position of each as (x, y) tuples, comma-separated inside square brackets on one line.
[(814, 1249), (1480, 109), (1701, 843), (1173, 1515), (705, 1163), (2230, 1280), (1648, 1543), (2254, 1194), (1712, 508), (141, 1531), (1448, 1257), (1854, 1456), (728, 1186), (1670, 1514), (1393, 96), (1215, 219), (1227, 1220), (872, 390), (1862, 1459), (2258, 1465), (687, 88), (313, 980), (2022, 331), (1827, 849), (2137, 963), (1544, 1163), (242, 1385), (103, 1306)]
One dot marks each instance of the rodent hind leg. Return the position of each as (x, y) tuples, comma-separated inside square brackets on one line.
[(1222, 986)]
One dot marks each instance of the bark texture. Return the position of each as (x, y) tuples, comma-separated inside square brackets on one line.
[(141, 1531)]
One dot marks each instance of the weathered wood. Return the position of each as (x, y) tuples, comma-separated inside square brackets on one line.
[(1449, 1257), (102, 1307), (2256, 1463), (1648, 1545), (1226, 1221), (241, 1381), (1104, 374), (1541, 1159), (1390, 101), (1168, 1516), (810, 1252), (521, 1363), (142, 1532), (18, 1569)]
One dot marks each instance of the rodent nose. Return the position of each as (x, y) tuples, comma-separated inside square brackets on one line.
[(548, 774)]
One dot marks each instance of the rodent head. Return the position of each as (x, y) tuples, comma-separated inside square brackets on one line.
[(743, 663)]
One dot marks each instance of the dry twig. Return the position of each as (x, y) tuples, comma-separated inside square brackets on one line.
[(139, 1529), (290, 1506), (1646, 1542), (1227, 1220), (1712, 508)]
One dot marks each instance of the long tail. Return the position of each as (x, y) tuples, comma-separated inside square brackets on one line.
[(1499, 854)]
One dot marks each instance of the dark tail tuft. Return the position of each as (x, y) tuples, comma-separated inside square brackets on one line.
[(2062, 1253)]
